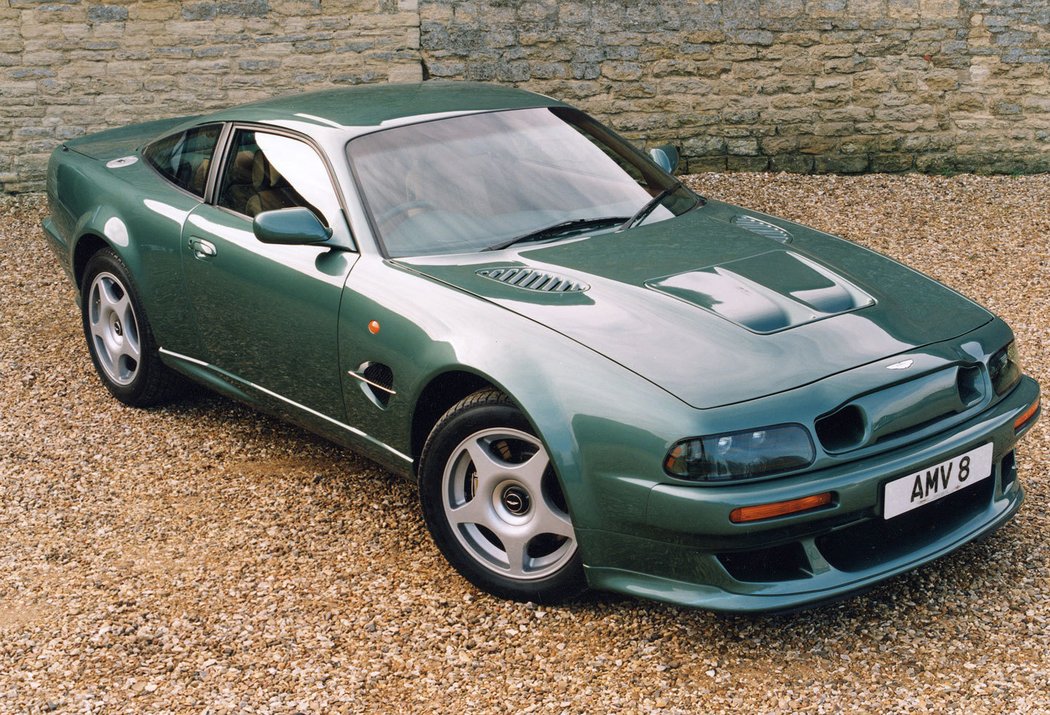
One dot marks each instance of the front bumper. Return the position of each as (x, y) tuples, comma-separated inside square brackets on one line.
[(695, 556)]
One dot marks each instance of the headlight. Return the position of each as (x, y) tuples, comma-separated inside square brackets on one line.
[(741, 455), (1005, 369)]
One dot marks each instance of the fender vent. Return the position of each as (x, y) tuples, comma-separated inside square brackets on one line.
[(762, 228), (530, 279), (377, 382)]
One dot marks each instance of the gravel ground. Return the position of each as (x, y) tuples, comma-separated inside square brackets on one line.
[(202, 558)]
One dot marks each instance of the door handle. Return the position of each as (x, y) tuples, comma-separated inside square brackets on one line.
[(202, 249)]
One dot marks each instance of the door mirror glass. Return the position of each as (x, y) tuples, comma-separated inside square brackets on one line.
[(294, 226), (666, 157)]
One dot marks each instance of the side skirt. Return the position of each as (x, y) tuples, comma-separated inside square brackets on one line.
[(260, 398)]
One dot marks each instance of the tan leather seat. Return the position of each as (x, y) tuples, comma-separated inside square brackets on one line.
[(272, 191), (238, 182)]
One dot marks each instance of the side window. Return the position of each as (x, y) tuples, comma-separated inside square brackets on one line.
[(184, 158), (266, 171)]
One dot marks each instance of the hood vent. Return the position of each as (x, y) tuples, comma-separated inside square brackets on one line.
[(768, 292), (762, 228), (530, 279)]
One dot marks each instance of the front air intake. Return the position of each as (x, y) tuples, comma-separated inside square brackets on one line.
[(904, 409)]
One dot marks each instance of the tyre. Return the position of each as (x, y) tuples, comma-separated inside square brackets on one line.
[(494, 505), (118, 335)]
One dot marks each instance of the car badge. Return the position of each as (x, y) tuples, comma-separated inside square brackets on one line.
[(902, 365)]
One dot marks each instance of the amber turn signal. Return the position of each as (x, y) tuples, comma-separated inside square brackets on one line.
[(1026, 415), (780, 508)]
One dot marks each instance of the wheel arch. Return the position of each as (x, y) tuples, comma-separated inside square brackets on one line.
[(439, 395), (85, 247), (102, 227)]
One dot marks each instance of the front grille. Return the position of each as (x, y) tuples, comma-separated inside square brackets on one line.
[(787, 562), (531, 279), (900, 410)]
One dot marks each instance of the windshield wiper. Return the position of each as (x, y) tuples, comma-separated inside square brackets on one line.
[(649, 207), (562, 227)]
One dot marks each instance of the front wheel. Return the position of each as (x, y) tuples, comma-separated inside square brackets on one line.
[(119, 337), (494, 505)]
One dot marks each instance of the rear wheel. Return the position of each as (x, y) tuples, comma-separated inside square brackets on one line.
[(118, 335), (494, 505)]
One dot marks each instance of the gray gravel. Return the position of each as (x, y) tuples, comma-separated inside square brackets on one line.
[(205, 559)]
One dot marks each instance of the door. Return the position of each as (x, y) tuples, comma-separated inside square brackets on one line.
[(267, 314)]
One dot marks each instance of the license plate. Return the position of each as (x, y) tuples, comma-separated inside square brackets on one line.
[(937, 481)]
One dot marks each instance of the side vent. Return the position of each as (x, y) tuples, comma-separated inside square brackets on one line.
[(530, 279), (762, 228), (377, 382)]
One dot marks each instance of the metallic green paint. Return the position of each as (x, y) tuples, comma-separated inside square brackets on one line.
[(610, 377), (266, 312), (291, 227), (623, 318)]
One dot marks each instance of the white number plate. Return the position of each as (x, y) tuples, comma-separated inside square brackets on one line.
[(940, 480)]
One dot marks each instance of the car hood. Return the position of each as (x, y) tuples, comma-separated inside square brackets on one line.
[(720, 305)]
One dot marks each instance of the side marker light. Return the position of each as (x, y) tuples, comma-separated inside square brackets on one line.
[(373, 326), (780, 508), (1027, 415)]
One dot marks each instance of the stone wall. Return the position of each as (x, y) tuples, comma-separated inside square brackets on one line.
[(72, 67), (796, 85)]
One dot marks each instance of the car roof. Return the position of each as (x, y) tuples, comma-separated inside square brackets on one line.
[(370, 106)]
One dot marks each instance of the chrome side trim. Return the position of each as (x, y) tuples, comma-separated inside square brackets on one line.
[(293, 403), (185, 358), (376, 385)]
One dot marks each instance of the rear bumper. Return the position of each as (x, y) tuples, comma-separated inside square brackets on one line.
[(694, 556)]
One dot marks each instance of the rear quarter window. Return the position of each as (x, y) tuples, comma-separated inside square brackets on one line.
[(184, 159)]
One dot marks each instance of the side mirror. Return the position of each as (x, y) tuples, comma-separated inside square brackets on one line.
[(666, 157), (292, 227)]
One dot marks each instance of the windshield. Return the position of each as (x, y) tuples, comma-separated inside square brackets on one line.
[(484, 181)]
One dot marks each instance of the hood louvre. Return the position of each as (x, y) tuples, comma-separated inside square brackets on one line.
[(531, 279), (762, 228)]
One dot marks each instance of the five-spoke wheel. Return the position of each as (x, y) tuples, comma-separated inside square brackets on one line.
[(502, 500), (118, 335), (113, 328), (494, 505)]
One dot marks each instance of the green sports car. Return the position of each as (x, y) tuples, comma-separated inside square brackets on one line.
[(599, 378)]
